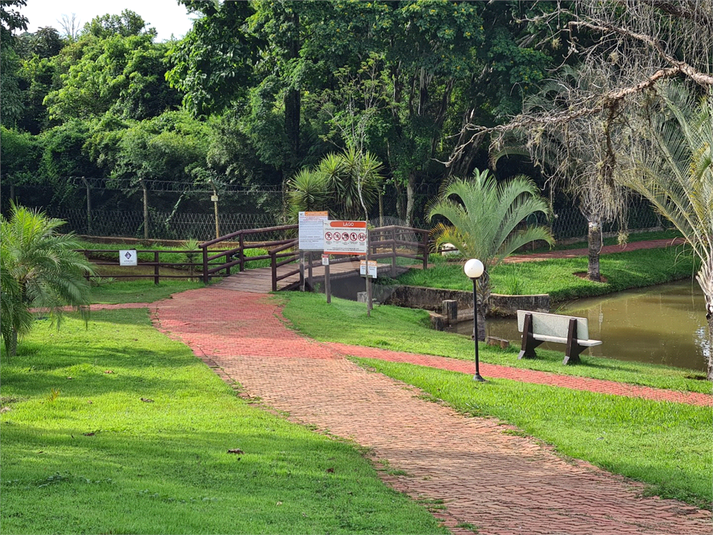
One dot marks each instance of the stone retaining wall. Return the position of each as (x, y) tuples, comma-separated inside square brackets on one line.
[(432, 299)]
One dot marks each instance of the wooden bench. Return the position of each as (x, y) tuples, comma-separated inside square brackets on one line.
[(539, 327)]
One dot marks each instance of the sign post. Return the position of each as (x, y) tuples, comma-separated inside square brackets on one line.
[(349, 238)]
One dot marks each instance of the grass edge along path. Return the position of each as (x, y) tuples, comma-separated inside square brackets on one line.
[(669, 448), (118, 429), (408, 330)]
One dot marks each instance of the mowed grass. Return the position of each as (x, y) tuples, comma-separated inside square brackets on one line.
[(139, 291), (403, 329), (665, 445), (115, 428), (622, 271)]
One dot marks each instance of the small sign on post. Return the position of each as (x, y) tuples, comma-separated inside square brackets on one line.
[(345, 237), (128, 257), (373, 269), (325, 259), (311, 230)]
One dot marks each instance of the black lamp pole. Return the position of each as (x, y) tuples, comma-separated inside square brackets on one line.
[(477, 376)]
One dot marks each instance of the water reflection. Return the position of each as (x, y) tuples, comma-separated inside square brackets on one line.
[(660, 324)]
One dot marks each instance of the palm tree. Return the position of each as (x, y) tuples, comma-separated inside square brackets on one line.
[(486, 223), (672, 166), (347, 183), (40, 269)]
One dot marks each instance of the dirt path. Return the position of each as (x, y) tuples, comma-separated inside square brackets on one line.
[(501, 483)]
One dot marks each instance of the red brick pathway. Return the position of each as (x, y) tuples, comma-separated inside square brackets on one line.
[(607, 249), (501, 483)]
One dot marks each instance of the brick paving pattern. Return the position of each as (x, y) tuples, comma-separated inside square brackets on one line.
[(501, 483)]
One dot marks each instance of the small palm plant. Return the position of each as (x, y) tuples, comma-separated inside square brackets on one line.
[(347, 183), (39, 269), (486, 221)]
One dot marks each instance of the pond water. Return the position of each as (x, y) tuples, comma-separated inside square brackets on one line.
[(660, 324)]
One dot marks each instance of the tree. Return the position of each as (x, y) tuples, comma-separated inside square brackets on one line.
[(486, 221), (621, 49), (40, 269), (347, 184), (10, 94), (672, 166), (117, 73)]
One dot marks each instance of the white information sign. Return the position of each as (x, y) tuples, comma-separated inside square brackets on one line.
[(311, 231), (373, 268), (127, 257), (325, 259), (345, 237)]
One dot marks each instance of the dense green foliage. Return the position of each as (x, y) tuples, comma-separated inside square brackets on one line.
[(269, 89), (118, 429)]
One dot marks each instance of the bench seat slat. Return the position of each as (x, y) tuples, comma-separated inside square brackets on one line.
[(557, 339)]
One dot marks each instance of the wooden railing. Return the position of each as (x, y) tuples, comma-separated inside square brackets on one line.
[(235, 256), (385, 242), (98, 257)]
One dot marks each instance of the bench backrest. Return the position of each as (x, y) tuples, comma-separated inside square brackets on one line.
[(553, 324)]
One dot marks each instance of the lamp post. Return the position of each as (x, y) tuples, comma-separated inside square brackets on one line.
[(474, 270)]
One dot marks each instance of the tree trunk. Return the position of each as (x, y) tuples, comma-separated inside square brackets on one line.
[(710, 344), (12, 346), (410, 189), (594, 240)]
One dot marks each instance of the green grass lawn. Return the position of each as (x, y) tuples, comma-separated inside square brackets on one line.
[(114, 428), (666, 445), (139, 291), (403, 329), (557, 277)]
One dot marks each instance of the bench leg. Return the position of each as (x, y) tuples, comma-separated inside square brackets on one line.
[(527, 348), (573, 347)]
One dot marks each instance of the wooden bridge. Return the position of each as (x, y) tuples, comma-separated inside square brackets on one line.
[(290, 269)]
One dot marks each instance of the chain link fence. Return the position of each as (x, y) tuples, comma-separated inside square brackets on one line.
[(162, 226), (567, 225)]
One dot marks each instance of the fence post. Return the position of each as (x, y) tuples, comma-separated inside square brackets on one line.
[(273, 263), (205, 264), (242, 253), (155, 268), (393, 251), (425, 249)]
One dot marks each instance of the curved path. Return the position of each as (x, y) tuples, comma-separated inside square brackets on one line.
[(501, 483)]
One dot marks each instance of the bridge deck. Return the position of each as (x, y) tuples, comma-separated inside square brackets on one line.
[(259, 280)]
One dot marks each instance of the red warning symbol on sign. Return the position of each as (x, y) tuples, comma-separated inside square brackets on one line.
[(353, 236), (362, 236)]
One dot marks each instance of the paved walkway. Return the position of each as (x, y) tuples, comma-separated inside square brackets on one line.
[(501, 483), (606, 249)]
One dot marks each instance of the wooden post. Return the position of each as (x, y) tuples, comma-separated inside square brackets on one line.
[(155, 268), (393, 252), (449, 308), (242, 253), (425, 250), (205, 264), (302, 271), (309, 271), (327, 284), (273, 264)]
